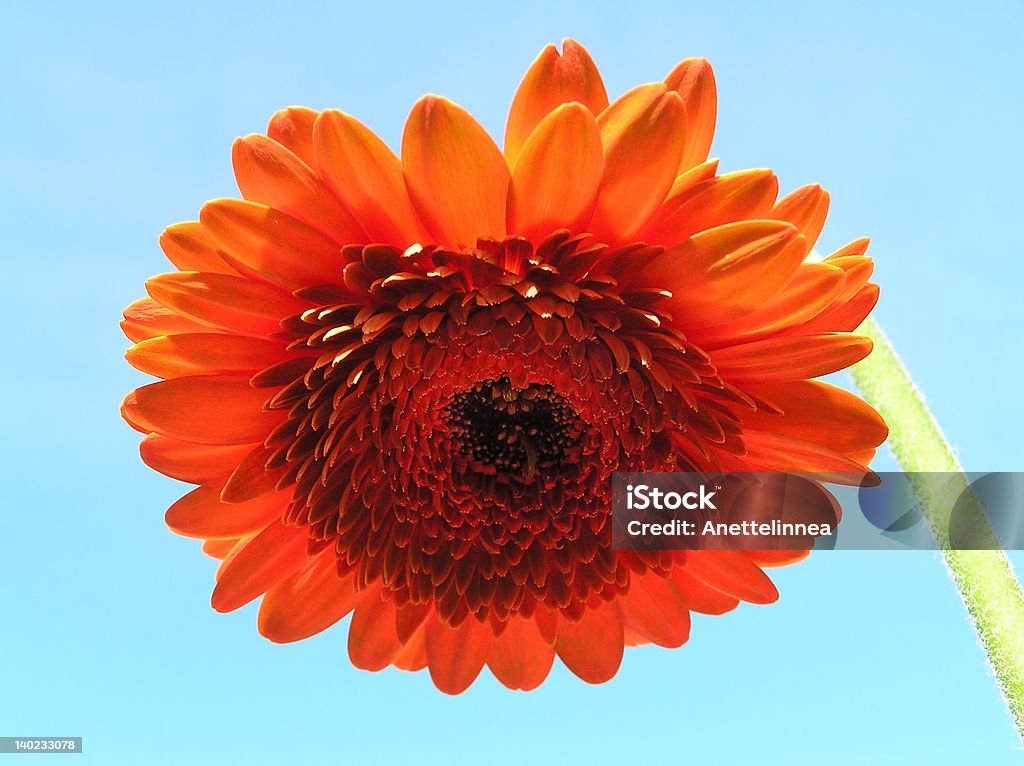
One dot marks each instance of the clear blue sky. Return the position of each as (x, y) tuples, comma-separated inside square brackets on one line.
[(118, 120)]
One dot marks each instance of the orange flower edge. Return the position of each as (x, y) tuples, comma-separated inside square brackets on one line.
[(401, 384)]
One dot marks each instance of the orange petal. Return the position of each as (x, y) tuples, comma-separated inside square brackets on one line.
[(592, 647), (201, 513), (235, 550), (643, 134), (790, 358), (724, 199), (293, 129), (219, 549), (456, 655), (147, 319), (265, 560), (656, 610), (410, 619), (856, 268), (520, 657), (732, 573), (846, 317), (857, 247), (555, 180), (770, 451), (172, 356), (776, 558), (699, 596), (234, 303), (812, 290), (189, 248), (725, 273), (692, 177), (309, 601), (413, 656), (193, 463), (207, 409), (251, 477), (631, 638), (270, 245), (818, 412), (864, 457), (694, 81), (852, 303), (806, 208), (367, 176), (552, 80), (272, 175), (456, 176), (372, 640)]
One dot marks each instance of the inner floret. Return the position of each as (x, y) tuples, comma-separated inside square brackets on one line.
[(514, 433)]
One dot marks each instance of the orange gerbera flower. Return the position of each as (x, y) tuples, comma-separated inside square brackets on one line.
[(402, 384)]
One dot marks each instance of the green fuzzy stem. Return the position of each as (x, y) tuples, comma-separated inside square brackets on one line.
[(985, 579)]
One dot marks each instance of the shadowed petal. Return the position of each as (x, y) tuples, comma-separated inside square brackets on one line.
[(263, 561), (456, 655), (656, 610), (732, 573), (201, 513), (308, 601), (372, 641), (190, 462), (520, 657), (592, 647)]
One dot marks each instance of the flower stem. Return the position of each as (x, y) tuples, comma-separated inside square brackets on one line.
[(985, 579)]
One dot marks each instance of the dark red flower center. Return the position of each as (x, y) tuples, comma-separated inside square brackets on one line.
[(521, 434)]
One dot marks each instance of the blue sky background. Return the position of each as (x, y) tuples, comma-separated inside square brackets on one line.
[(117, 120)]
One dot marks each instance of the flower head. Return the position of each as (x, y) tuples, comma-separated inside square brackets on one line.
[(402, 384)]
